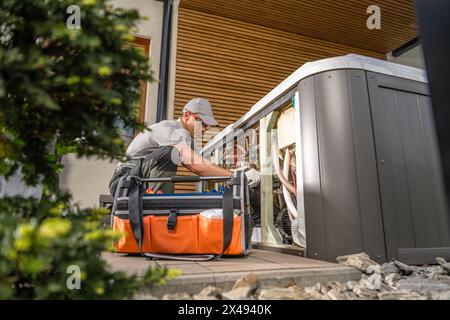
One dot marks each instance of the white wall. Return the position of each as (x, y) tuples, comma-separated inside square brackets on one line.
[(413, 58), (85, 178), (151, 28)]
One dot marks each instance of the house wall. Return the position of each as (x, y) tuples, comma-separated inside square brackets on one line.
[(412, 57), (86, 178)]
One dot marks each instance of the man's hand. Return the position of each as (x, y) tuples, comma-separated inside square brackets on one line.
[(253, 177)]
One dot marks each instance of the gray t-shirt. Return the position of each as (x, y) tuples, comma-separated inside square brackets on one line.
[(164, 133)]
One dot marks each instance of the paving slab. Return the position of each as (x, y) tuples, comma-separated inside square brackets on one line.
[(249, 268), (129, 264), (272, 268), (189, 268)]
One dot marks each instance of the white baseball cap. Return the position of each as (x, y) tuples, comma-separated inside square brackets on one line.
[(202, 108)]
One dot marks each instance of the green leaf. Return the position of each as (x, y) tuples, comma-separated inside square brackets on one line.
[(2, 88), (42, 98), (104, 71), (6, 147), (73, 80)]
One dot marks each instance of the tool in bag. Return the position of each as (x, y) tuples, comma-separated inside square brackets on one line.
[(182, 226)]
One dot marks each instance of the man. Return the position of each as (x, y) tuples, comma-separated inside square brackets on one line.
[(167, 144)]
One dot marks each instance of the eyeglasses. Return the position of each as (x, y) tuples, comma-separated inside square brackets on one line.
[(204, 125)]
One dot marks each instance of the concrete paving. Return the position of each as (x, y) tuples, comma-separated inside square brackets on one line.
[(272, 268)]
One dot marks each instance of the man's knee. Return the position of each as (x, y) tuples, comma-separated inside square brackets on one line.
[(117, 175), (113, 187)]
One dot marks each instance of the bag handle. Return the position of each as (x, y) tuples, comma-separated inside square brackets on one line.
[(193, 257), (135, 204), (227, 207), (227, 211)]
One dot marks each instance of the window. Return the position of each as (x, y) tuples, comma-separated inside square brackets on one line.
[(127, 133)]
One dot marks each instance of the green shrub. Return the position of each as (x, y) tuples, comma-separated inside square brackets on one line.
[(62, 91), (40, 240)]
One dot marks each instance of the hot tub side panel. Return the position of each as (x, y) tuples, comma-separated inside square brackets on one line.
[(411, 186), (342, 205)]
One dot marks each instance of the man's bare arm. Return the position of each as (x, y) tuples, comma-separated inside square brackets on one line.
[(198, 165)]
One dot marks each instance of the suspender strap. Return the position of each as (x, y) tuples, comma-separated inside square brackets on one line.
[(135, 205), (227, 209)]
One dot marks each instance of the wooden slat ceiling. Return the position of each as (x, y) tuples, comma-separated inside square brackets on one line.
[(234, 63), (340, 21)]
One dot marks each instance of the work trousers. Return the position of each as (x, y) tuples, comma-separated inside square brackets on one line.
[(159, 164)]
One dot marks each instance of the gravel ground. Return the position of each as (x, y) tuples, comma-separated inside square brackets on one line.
[(389, 281)]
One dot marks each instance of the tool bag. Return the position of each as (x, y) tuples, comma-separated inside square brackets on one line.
[(177, 224)]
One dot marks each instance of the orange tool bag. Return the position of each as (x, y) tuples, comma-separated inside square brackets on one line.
[(211, 224)]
